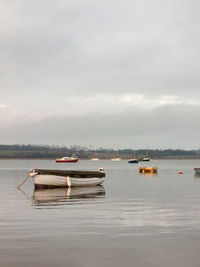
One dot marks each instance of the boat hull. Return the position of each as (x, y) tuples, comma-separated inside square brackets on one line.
[(66, 161), (42, 181), (133, 161), (144, 159), (151, 169), (116, 159), (95, 159)]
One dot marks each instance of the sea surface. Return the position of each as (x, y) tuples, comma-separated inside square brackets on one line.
[(132, 220)]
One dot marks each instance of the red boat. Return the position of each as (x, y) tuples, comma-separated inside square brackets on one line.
[(67, 159)]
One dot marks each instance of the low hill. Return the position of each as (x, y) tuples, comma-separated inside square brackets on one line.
[(52, 152)]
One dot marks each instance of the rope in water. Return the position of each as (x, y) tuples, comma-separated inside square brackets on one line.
[(18, 187)]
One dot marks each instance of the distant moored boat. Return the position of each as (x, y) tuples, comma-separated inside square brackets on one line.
[(95, 158), (145, 159), (148, 169), (67, 159), (133, 160), (117, 158)]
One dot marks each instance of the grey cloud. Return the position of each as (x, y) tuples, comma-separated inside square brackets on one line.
[(81, 48), (169, 126), (51, 50)]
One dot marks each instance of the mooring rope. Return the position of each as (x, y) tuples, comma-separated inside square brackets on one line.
[(18, 187)]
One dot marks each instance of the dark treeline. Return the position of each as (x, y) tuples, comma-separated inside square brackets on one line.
[(52, 152)]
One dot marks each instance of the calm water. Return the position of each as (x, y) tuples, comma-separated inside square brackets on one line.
[(133, 220)]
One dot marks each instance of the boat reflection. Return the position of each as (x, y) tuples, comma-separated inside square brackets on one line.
[(146, 174), (63, 196)]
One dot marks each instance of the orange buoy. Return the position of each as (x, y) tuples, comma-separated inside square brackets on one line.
[(180, 172)]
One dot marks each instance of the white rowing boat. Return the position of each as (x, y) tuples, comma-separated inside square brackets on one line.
[(62, 178)]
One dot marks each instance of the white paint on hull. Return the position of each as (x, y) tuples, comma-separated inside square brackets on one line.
[(95, 159), (55, 180), (116, 159), (86, 181)]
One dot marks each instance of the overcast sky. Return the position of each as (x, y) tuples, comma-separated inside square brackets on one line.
[(108, 73)]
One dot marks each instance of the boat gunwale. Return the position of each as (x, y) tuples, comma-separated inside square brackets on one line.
[(71, 173)]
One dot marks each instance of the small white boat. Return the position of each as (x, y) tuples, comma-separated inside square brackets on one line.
[(145, 159), (95, 159), (67, 159), (62, 178), (116, 159)]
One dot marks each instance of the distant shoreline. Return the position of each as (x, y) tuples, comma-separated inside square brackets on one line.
[(100, 159), (42, 152)]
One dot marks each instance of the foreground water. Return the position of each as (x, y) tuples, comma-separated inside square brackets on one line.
[(133, 220)]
